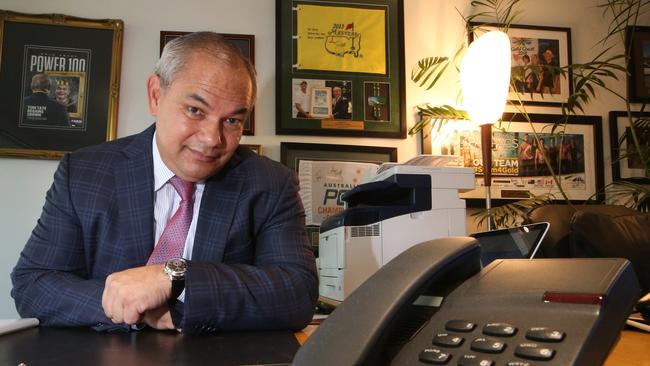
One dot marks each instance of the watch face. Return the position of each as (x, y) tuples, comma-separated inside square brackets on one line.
[(176, 264)]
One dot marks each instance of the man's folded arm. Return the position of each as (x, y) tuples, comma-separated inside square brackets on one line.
[(277, 291), (50, 279)]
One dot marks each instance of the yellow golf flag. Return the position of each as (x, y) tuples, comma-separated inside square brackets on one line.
[(336, 38)]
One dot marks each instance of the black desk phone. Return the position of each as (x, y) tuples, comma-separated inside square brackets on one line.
[(433, 304)]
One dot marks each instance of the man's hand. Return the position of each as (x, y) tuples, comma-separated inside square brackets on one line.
[(130, 293), (159, 318)]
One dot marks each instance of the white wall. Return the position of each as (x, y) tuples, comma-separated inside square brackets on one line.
[(432, 28)]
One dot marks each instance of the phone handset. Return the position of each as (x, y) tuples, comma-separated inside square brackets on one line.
[(359, 325)]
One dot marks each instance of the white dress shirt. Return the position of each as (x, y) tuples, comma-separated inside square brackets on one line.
[(167, 200)]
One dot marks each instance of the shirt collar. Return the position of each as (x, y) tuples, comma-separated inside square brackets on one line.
[(161, 173)]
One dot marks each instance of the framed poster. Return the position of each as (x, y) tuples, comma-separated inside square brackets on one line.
[(538, 55), (626, 164), (245, 43), (59, 82), (314, 157), (354, 49), (638, 77), (518, 164)]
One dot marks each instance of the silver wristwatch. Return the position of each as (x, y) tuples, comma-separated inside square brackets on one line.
[(175, 268)]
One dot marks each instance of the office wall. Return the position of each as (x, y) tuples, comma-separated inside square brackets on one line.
[(432, 28)]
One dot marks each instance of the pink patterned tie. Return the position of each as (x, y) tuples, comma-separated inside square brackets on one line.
[(172, 241)]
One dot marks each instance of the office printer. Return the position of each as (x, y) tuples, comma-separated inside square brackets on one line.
[(400, 207)]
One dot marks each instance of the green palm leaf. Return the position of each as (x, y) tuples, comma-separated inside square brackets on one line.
[(510, 214)]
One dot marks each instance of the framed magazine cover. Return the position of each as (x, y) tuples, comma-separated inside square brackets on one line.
[(518, 166), (538, 53), (626, 164), (354, 48), (245, 43), (59, 80)]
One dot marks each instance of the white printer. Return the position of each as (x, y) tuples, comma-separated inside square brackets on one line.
[(402, 206)]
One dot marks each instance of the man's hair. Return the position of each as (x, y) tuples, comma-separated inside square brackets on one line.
[(40, 82), (176, 52)]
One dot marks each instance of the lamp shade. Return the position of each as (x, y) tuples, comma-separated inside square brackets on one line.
[(485, 77)]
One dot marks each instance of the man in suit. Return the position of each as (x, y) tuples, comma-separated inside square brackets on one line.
[(39, 109), (246, 262), (340, 104)]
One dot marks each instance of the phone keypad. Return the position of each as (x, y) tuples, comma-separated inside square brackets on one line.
[(475, 360), (460, 326), (544, 334), (448, 340), (499, 329), (492, 341), (487, 345), (435, 356), (534, 351)]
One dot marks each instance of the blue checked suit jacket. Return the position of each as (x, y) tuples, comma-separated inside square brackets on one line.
[(251, 267)]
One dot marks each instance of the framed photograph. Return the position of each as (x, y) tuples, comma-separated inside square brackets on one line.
[(59, 82), (321, 102), (361, 45), (538, 54), (518, 165), (638, 77), (292, 152), (257, 149), (245, 43), (626, 164)]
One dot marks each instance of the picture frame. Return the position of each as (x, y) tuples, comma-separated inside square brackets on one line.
[(60, 78), (356, 53), (292, 152), (581, 173), (245, 43), (321, 102), (624, 168), (637, 42), (547, 47), (257, 149)]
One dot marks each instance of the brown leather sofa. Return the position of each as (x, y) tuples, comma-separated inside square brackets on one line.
[(597, 231)]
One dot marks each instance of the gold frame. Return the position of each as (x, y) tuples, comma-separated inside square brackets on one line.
[(255, 148), (115, 25)]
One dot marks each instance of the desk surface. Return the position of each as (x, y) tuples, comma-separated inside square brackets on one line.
[(60, 346), (633, 348)]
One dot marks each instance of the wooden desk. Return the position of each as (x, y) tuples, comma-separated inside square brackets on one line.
[(633, 348)]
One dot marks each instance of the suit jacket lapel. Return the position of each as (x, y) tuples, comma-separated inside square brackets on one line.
[(134, 192), (217, 212)]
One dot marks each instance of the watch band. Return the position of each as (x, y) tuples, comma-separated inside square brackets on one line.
[(178, 285)]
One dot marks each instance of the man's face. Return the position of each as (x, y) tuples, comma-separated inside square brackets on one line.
[(200, 116), (548, 56), (336, 92), (62, 91), (303, 87)]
